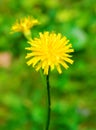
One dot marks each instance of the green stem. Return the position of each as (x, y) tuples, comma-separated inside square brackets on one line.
[(49, 102), (27, 35)]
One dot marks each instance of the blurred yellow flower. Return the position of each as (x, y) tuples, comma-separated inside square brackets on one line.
[(24, 25), (49, 51)]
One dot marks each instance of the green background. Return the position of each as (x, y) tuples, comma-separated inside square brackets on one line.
[(23, 95)]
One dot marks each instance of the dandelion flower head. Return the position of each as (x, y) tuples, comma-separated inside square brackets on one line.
[(24, 25), (49, 51)]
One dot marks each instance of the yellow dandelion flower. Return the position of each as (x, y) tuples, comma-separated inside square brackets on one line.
[(24, 25), (49, 51)]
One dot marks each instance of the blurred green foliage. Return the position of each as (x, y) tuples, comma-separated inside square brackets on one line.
[(23, 99)]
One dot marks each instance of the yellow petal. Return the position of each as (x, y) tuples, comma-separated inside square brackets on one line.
[(64, 64), (58, 68)]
